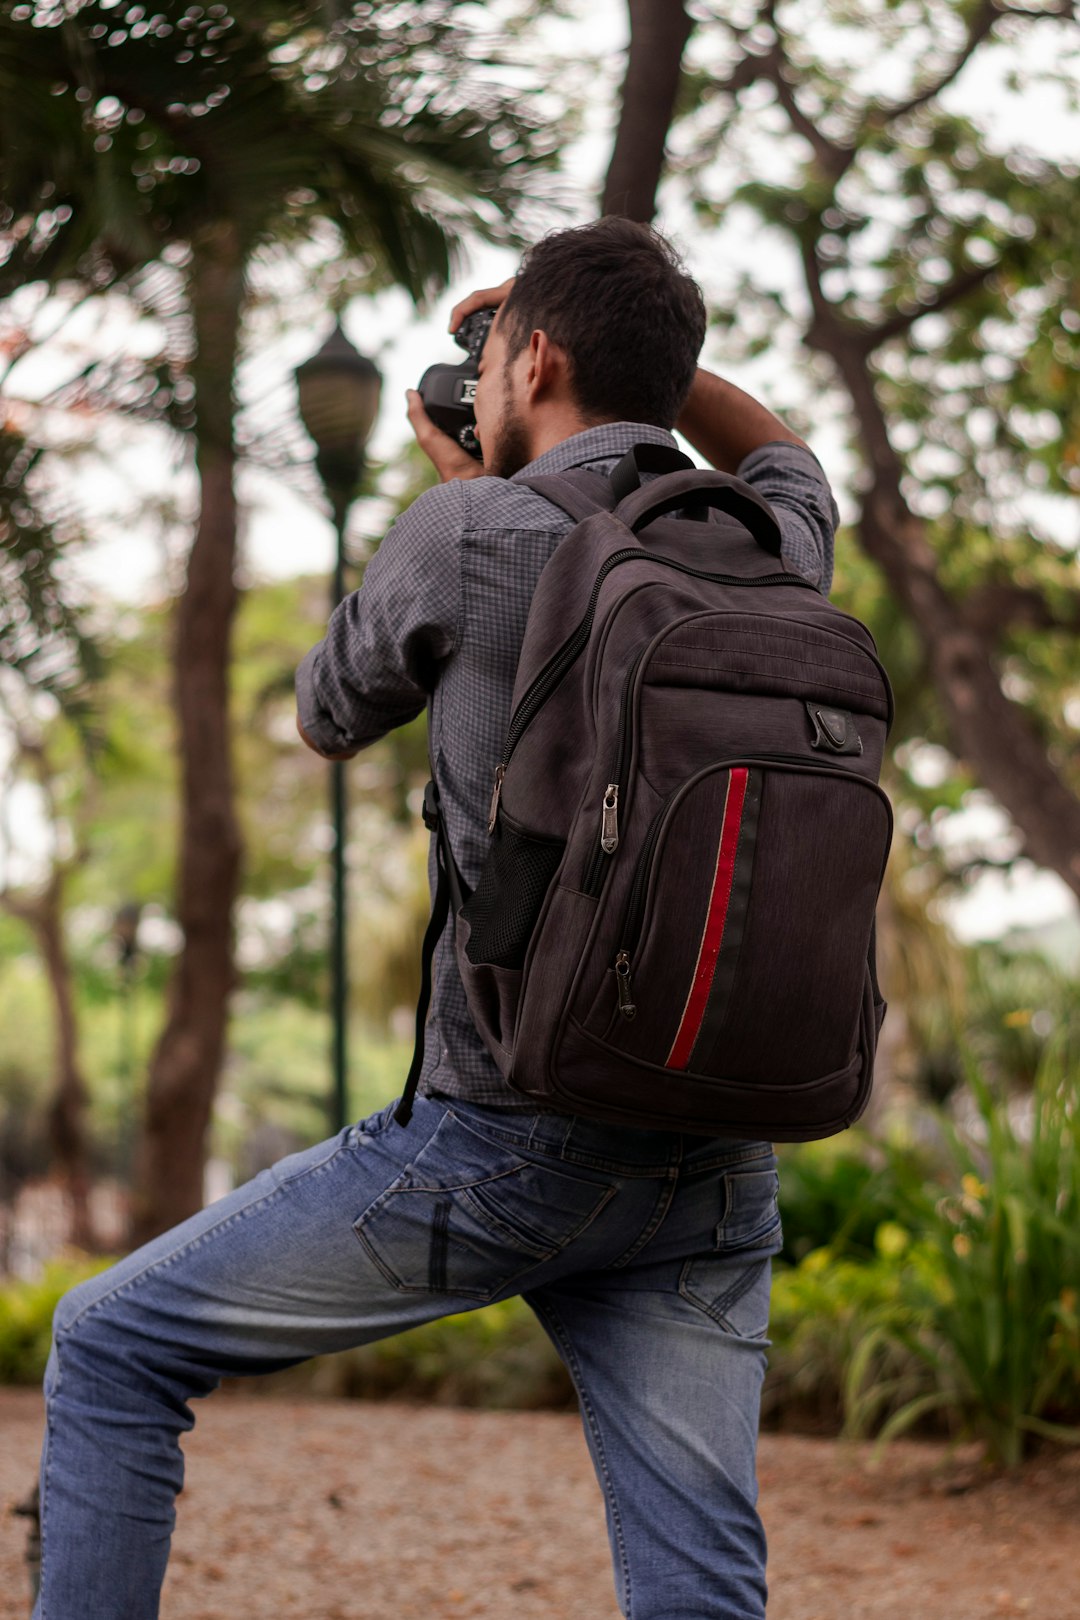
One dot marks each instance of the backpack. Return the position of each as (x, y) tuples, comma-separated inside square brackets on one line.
[(674, 925)]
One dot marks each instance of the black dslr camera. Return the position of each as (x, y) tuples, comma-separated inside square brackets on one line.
[(448, 391)]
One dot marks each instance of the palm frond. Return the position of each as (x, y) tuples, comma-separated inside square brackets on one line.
[(43, 634), (118, 137)]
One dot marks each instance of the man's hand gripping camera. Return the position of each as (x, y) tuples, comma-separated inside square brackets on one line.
[(448, 392)]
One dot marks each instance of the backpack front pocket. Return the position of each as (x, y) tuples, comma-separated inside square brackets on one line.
[(741, 952)]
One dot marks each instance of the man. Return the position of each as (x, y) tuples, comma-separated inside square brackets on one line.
[(645, 1254)]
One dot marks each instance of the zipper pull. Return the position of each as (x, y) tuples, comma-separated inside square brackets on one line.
[(609, 821), (496, 794), (622, 984)]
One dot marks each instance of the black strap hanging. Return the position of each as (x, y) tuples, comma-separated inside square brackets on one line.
[(449, 889)]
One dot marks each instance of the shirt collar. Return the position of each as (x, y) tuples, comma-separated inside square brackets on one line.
[(607, 442)]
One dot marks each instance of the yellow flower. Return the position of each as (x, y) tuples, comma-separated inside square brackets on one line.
[(890, 1240), (974, 1187), (1019, 1019), (962, 1244)]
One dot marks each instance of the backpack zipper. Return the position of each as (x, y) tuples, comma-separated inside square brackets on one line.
[(635, 905), (609, 825), (565, 656)]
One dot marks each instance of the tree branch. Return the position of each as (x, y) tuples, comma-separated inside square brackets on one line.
[(833, 157), (980, 23), (992, 609), (872, 337), (24, 910), (29, 344)]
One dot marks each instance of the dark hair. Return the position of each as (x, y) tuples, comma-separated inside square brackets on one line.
[(615, 297)]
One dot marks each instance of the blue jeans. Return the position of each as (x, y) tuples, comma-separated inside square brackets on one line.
[(646, 1256)]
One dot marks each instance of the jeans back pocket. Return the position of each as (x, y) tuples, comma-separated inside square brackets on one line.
[(470, 1219)]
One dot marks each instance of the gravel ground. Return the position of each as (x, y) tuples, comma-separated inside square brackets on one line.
[(344, 1511)]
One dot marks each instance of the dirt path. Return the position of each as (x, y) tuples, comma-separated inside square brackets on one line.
[(344, 1511)]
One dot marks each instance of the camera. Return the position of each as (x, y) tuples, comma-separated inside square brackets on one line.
[(448, 392)]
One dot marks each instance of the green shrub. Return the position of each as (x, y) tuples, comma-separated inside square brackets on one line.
[(498, 1357), (822, 1310), (835, 1193), (990, 1284), (26, 1313)]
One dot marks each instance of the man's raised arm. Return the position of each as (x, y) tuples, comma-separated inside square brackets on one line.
[(738, 434), (725, 425), (377, 663)]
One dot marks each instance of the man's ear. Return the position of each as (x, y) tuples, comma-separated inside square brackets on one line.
[(547, 371)]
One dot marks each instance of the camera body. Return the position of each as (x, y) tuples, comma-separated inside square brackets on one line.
[(448, 392)]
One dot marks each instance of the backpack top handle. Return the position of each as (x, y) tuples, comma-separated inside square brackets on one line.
[(725, 493), (646, 458)]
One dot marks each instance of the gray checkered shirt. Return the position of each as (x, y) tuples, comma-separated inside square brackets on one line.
[(439, 622)]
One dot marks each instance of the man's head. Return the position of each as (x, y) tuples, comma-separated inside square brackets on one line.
[(602, 325)]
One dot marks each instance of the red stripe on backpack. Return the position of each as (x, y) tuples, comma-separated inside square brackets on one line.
[(713, 935)]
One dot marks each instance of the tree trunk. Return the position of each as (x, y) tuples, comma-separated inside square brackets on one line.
[(659, 30), (67, 1111), (44, 916), (994, 734), (187, 1062)]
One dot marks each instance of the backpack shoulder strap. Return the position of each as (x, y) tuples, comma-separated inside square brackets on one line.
[(579, 493)]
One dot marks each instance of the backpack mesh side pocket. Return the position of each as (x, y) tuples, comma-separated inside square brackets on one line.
[(504, 906)]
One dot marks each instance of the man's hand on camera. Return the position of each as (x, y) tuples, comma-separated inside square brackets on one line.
[(483, 298), (445, 455)]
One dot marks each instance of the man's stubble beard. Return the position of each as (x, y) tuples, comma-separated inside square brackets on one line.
[(510, 450)]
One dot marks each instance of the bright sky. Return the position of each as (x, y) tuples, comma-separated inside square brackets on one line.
[(283, 534)]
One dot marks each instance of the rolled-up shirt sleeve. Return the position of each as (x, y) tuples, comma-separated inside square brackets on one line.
[(791, 479), (377, 664)]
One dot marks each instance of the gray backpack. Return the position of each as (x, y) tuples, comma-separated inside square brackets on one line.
[(674, 926)]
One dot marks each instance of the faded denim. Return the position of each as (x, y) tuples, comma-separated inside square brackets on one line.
[(646, 1256)]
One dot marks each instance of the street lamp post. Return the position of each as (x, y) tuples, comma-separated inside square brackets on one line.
[(338, 391)]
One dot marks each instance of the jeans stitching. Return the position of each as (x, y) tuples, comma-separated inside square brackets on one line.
[(440, 1227), (533, 1260), (524, 1239), (46, 1474), (652, 1226), (743, 1286), (557, 1153), (715, 1310), (569, 1154), (481, 1296), (729, 1161), (550, 1315)]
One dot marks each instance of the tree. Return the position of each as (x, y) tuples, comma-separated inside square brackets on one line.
[(939, 315), (40, 904), (161, 154), (659, 30), (48, 663)]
